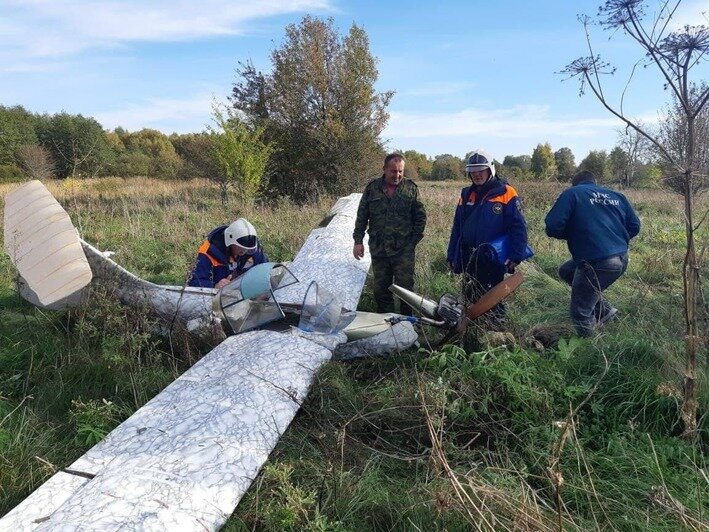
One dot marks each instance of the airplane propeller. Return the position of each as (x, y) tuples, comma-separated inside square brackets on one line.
[(449, 313)]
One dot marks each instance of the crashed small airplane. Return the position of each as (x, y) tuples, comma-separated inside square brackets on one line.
[(185, 459)]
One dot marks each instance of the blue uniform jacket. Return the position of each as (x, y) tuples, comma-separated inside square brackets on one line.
[(214, 263), (596, 222), (483, 216)]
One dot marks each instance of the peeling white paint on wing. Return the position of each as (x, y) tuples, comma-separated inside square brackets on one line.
[(326, 257), (186, 458)]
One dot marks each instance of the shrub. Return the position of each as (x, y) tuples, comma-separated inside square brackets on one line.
[(130, 164), (10, 173), (93, 419), (195, 150), (37, 161)]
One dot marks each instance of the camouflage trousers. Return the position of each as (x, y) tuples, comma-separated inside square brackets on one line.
[(398, 269)]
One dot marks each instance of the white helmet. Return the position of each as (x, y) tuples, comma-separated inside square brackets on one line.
[(241, 233), (478, 160)]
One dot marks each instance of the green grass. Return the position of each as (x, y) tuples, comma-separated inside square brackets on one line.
[(445, 440)]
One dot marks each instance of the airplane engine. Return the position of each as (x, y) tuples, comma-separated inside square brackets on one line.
[(449, 312)]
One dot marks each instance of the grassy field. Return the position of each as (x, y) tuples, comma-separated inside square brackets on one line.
[(453, 439)]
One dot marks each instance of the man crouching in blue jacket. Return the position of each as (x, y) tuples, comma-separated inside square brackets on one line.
[(487, 210), (597, 224), (227, 253)]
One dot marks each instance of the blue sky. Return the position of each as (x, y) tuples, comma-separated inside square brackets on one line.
[(467, 74)]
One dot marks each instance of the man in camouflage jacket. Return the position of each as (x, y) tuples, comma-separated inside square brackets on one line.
[(396, 217)]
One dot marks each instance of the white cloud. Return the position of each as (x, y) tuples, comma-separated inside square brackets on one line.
[(691, 13), (513, 130), (7, 66), (50, 28), (180, 115), (517, 121)]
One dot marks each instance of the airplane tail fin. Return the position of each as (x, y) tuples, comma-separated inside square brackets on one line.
[(44, 245)]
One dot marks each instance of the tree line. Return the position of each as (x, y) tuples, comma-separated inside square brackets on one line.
[(630, 163), (67, 145)]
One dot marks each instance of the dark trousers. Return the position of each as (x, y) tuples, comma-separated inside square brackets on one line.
[(397, 269), (482, 272), (588, 279)]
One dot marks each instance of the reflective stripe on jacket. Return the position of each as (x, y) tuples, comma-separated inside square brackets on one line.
[(214, 262), (482, 215)]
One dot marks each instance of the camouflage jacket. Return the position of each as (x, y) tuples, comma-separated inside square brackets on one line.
[(394, 223)]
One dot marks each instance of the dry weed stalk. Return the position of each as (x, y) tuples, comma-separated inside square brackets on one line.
[(581, 459), (660, 497)]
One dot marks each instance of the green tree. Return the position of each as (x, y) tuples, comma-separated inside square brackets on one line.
[(523, 162), (418, 165), (618, 165), (17, 128), (241, 155), (320, 104), (543, 163), (647, 175), (115, 142), (132, 164), (196, 152), (565, 163), (446, 166), (596, 162), (77, 144), (516, 167), (152, 150)]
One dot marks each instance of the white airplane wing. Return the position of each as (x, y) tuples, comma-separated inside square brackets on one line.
[(184, 460), (326, 257)]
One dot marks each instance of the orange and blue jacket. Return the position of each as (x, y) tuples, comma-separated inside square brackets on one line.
[(483, 215), (214, 262)]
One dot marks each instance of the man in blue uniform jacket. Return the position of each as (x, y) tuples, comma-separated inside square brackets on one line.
[(487, 210), (227, 253), (597, 224)]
